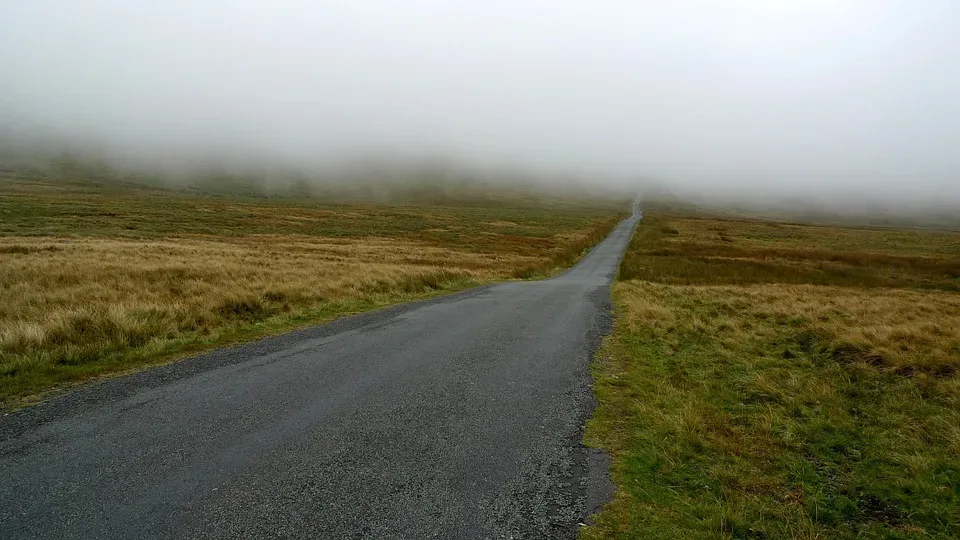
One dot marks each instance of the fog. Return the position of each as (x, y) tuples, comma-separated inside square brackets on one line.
[(742, 98)]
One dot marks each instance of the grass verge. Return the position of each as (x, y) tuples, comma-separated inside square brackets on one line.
[(781, 381)]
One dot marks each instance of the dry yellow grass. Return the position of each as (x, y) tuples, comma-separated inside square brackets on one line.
[(190, 282), (73, 301), (907, 331), (102, 279)]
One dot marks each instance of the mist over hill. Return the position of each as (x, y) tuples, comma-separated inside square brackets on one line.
[(846, 104)]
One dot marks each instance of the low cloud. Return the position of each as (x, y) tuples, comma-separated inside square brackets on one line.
[(736, 98)]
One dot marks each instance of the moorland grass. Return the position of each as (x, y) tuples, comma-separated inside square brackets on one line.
[(98, 280), (770, 380)]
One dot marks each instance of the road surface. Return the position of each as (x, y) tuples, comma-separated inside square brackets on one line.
[(459, 417)]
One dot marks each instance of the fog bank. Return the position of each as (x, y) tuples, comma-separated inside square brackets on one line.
[(754, 98)]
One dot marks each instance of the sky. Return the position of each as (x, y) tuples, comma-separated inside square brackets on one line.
[(780, 96)]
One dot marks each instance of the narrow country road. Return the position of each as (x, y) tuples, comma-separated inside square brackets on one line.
[(459, 417)]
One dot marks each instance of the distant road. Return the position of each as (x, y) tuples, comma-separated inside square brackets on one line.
[(459, 417)]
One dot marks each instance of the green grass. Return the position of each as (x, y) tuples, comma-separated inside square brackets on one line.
[(752, 391)]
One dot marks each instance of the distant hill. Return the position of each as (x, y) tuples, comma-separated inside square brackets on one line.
[(401, 184)]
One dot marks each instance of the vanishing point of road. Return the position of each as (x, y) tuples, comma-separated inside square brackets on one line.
[(458, 417)]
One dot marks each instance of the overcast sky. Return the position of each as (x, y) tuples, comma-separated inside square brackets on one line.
[(795, 94)]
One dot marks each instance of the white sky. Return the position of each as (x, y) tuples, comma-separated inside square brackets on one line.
[(794, 95)]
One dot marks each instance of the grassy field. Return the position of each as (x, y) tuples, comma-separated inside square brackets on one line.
[(774, 380), (102, 277)]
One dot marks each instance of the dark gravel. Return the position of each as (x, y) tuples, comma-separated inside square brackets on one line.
[(459, 417)]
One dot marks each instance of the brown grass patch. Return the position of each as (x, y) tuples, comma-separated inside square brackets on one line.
[(900, 331), (690, 251), (97, 281)]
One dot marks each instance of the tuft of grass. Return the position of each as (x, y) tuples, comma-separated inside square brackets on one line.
[(750, 392)]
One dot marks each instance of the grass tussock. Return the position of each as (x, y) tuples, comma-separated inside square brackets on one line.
[(768, 404), (95, 296)]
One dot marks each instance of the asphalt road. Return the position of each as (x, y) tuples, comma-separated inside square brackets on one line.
[(459, 417)]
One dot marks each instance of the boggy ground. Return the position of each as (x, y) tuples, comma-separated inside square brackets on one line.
[(776, 380), (103, 278)]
